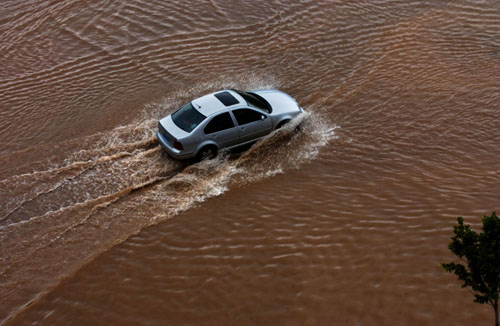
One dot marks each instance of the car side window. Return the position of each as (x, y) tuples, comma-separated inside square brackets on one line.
[(244, 116), (221, 122)]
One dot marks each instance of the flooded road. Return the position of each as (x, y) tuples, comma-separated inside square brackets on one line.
[(341, 222)]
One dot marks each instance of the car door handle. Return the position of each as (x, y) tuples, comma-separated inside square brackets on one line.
[(242, 128)]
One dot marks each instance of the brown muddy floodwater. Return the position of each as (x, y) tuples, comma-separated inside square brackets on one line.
[(343, 222)]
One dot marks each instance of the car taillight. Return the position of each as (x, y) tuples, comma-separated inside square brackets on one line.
[(178, 145)]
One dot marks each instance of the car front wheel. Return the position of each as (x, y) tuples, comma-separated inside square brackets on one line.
[(282, 123)]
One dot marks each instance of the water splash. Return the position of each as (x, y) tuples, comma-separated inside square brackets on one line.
[(113, 187)]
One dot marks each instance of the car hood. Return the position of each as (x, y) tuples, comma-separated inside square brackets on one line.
[(280, 101)]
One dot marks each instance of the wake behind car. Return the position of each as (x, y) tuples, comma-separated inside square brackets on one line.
[(224, 119)]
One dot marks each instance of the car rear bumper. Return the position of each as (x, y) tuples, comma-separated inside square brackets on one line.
[(175, 153)]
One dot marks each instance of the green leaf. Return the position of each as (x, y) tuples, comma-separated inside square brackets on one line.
[(481, 254)]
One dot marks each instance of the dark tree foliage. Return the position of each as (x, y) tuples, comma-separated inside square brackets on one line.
[(481, 255)]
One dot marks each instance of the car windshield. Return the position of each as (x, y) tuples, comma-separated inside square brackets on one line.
[(187, 117), (255, 101)]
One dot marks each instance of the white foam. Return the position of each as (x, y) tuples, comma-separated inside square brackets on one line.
[(121, 181)]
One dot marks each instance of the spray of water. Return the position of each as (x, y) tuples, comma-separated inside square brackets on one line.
[(62, 216)]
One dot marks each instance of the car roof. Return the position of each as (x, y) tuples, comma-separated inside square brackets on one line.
[(217, 102)]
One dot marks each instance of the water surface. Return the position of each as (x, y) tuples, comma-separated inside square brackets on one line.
[(342, 222)]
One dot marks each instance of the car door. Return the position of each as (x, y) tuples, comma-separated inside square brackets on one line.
[(252, 124), (222, 130)]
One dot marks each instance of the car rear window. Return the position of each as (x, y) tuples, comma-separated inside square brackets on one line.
[(187, 117)]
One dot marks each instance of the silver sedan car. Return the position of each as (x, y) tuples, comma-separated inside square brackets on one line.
[(224, 119)]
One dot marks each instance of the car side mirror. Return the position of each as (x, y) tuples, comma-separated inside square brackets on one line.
[(263, 117)]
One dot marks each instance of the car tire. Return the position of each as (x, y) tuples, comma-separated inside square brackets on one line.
[(207, 153), (282, 123)]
